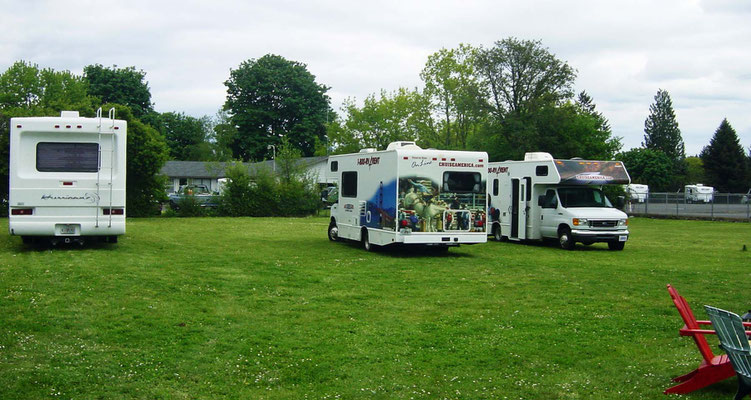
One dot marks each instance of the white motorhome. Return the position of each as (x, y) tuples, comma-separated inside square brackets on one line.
[(67, 177), (542, 197), (638, 193), (409, 195), (699, 193)]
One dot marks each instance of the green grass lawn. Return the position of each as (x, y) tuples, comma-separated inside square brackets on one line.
[(252, 308)]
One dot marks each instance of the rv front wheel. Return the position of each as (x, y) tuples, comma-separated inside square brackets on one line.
[(565, 239), (614, 245), (333, 232)]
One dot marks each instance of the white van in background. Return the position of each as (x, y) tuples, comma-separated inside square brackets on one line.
[(637, 192), (699, 193)]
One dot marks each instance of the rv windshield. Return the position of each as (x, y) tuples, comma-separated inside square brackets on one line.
[(583, 197)]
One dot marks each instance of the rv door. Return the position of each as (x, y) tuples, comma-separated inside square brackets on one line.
[(518, 209), (524, 187)]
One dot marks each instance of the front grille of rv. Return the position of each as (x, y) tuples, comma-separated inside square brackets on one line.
[(603, 224)]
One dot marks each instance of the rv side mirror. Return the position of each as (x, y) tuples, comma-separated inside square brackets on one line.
[(620, 201), (540, 200)]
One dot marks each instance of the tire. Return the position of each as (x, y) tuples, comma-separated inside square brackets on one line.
[(333, 232), (615, 245), (366, 241), (497, 233), (27, 239), (565, 240)]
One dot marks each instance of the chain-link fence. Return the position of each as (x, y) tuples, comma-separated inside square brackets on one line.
[(732, 206)]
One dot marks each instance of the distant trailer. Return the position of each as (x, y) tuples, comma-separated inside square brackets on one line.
[(67, 178), (408, 195)]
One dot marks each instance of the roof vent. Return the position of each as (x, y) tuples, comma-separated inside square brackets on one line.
[(368, 150), (69, 114), (540, 156), (403, 145)]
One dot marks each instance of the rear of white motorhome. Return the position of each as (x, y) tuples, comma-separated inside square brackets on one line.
[(409, 195), (637, 193), (542, 197), (67, 177), (699, 193)]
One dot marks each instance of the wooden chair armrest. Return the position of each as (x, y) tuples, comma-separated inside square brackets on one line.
[(691, 332)]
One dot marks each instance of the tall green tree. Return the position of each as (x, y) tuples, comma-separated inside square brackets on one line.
[(455, 95), (725, 161), (401, 115), (661, 130), (126, 86), (28, 91), (187, 137), (523, 81), (146, 153), (695, 171), (223, 135), (650, 167), (270, 98)]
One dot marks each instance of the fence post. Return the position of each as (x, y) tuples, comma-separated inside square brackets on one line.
[(711, 208), (646, 205)]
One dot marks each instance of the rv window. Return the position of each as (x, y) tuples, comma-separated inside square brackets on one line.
[(495, 187), (462, 182), (334, 166), (67, 157), (541, 170), (349, 184), (550, 200)]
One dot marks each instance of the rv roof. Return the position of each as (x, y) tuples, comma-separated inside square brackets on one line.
[(69, 114), (403, 145), (538, 156)]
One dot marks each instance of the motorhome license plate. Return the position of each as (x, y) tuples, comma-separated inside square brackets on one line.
[(622, 238), (67, 229)]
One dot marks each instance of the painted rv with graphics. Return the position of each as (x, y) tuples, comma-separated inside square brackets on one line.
[(409, 195), (67, 178), (542, 197)]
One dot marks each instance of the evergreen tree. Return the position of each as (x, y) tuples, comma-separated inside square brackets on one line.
[(661, 130), (724, 160)]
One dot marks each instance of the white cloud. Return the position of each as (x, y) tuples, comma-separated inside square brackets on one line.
[(624, 51)]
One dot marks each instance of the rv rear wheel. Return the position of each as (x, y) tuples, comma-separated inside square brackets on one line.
[(497, 233), (333, 232), (565, 239), (366, 241), (27, 239), (615, 245)]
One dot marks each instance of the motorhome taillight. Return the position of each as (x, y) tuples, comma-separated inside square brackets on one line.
[(57, 126), (22, 211), (18, 126), (404, 223), (113, 211), (68, 183)]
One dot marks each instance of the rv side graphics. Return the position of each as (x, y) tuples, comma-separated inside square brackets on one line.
[(409, 195)]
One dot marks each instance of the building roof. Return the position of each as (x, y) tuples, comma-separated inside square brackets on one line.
[(215, 169)]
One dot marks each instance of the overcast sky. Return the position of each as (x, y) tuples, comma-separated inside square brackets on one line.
[(624, 51)]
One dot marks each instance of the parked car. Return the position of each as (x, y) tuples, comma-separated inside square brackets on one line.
[(201, 193)]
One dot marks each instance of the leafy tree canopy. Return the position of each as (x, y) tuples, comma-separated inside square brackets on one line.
[(270, 98), (187, 137), (650, 167), (124, 86)]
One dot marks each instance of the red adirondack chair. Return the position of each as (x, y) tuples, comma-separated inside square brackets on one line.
[(713, 368)]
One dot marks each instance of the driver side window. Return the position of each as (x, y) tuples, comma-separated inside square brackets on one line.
[(550, 200)]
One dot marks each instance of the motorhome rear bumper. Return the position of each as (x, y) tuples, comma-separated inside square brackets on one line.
[(599, 236), (45, 226), (447, 238)]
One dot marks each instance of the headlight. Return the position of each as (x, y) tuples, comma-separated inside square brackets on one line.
[(580, 221), (623, 222)]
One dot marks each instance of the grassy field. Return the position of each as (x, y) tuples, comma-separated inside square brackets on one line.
[(255, 308)]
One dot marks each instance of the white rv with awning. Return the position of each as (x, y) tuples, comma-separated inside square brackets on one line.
[(542, 197), (409, 195), (67, 177)]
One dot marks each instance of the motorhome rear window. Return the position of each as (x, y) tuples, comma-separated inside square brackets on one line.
[(67, 157), (334, 166), (349, 184), (541, 170), (462, 182)]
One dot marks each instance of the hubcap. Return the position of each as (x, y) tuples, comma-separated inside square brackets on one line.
[(333, 232)]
